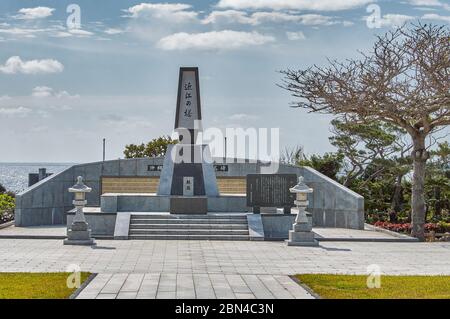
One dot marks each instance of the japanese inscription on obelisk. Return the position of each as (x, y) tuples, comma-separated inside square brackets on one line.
[(188, 114)]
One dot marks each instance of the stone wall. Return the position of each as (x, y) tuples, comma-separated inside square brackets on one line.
[(46, 202)]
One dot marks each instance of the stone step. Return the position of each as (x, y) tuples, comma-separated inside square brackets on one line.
[(189, 237), (189, 226), (188, 232), (187, 221), (186, 216)]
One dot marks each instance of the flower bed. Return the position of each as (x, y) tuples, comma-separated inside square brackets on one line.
[(6, 216), (405, 228), (7, 204)]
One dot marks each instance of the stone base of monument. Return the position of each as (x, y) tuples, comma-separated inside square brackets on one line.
[(79, 234), (188, 205), (301, 239), (301, 233)]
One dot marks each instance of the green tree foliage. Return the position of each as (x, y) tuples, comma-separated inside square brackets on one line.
[(154, 148), (404, 80), (7, 203), (373, 160), (329, 164), (437, 181)]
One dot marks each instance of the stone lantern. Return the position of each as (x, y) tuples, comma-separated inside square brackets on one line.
[(301, 234), (79, 232)]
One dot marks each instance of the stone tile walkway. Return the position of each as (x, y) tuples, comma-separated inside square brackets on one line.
[(177, 269), (191, 286)]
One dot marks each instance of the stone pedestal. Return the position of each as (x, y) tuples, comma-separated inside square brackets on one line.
[(188, 205), (301, 233), (79, 234)]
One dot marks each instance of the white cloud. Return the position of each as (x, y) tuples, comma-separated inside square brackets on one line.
[(80, 32), (437, 17), (429, 3), (15, 65), (316, 19), (173, 12), (316, 5), (15, 112), (228, 16), (256, 18), (295, 36), (395, 20), (42, 91), (242, 117), (113, 31), (62, 34), (45, 92), (5, 98), (25, 32), (34, 13), (222, 40)]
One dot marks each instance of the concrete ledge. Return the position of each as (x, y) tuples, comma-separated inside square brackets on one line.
[(7, 224), (255, 227), (101, 224), (277, 226), (389, 232), (368, 240), (32, 237), (122, 227)]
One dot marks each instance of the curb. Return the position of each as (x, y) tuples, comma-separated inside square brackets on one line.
[(7, 224), (32, 237), (75, 294), (307, 288), (389, 232)]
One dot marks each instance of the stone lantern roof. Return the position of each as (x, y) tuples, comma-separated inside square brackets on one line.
[(80, 187), (301, 187)]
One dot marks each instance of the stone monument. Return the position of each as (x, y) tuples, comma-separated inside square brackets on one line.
[(188, 175), (301, 234), (79, 232)]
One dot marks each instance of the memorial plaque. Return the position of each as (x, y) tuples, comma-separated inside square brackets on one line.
[(270, 190), (188, 186)]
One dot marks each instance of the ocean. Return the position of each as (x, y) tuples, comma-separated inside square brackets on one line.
[(14, 176)]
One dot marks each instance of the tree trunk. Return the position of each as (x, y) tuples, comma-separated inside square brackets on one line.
[(419, 156)]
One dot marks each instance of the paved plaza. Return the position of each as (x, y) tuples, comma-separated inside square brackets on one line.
[(215, 269)]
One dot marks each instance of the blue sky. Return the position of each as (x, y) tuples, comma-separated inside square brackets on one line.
[(63, 89)]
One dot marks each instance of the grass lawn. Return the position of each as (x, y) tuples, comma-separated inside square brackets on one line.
[(36, 285), (392, 287)]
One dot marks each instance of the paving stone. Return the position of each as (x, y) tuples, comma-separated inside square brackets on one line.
[(257, 287), (127, 295), (114, 284), (132, 283)]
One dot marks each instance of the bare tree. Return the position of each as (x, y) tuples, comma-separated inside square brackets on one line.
[(291, 155), (404, 80)]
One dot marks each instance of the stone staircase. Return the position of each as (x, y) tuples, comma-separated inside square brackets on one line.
[(201, 227)]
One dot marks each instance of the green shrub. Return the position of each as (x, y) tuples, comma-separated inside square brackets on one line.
[(7, 205)]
